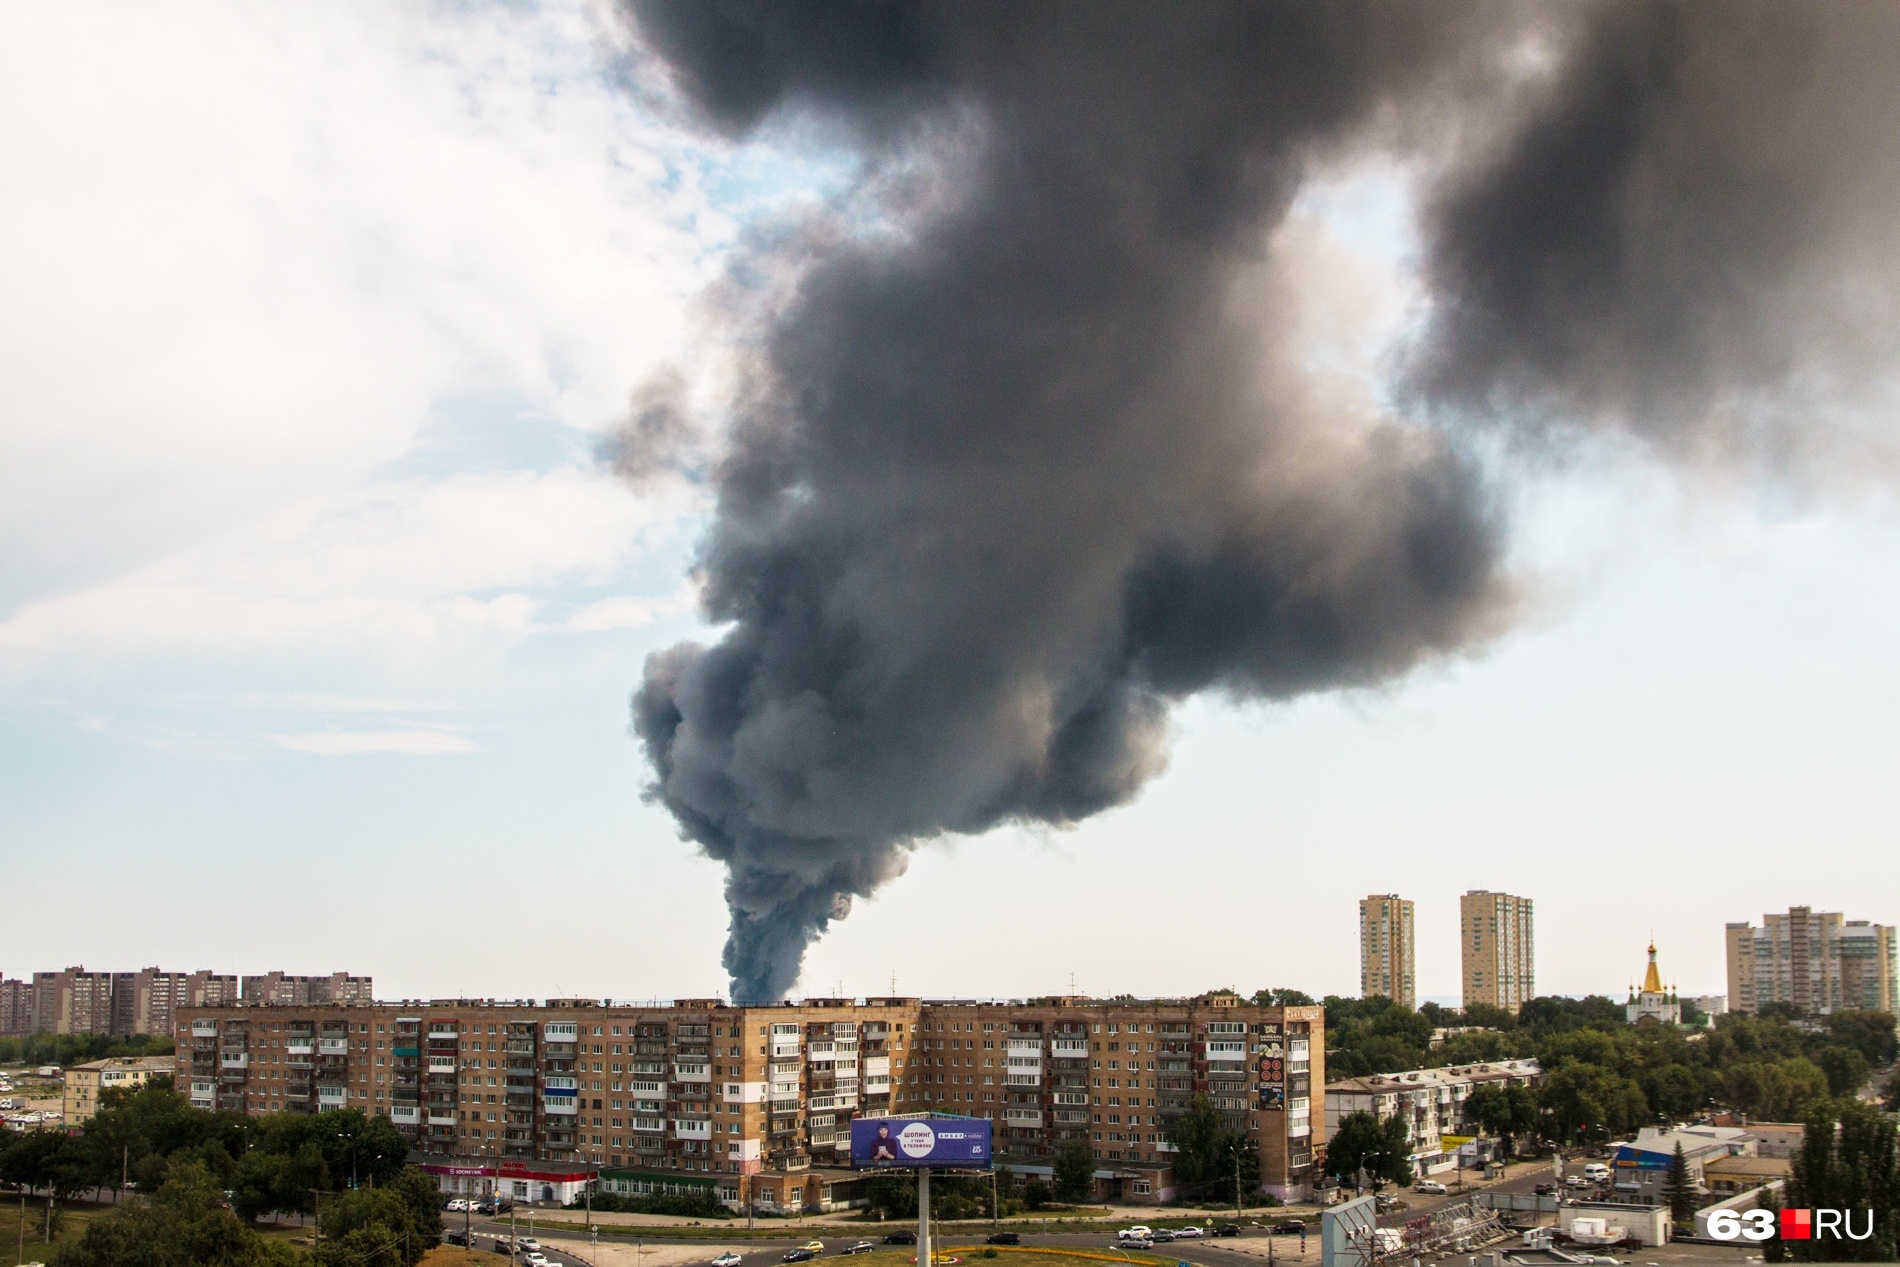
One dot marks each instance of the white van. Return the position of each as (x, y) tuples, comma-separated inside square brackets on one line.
[(1596, 1172)]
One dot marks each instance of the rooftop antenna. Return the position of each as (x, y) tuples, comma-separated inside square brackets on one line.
[(893, 983)]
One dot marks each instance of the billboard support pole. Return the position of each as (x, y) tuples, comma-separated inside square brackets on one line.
[(923, 1217)]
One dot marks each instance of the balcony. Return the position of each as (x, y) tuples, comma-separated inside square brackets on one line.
[(234, 1060), (518, 1047), (334, 1046)]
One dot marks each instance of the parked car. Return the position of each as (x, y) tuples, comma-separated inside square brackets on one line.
[(862, 1247), (901, 1238), (1004, 1238), (1227, 1229), (727, 1259), (799, 1255), (1431, 1187), (456, 1205), (1190, 1232)]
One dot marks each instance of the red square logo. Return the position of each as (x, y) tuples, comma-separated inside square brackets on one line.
[(1797, 1225)]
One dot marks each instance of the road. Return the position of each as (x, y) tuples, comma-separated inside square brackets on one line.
[(1252, 1247)]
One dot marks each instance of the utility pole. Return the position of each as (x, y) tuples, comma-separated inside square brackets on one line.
[(996, 1210), (125, 1160), (923, 1217)]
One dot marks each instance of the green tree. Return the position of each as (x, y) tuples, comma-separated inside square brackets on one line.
[(1774, 1090), (1679, 1189), (390, 1226), (1845, 1069), (1870, 1033), (1036, 1193), (183, 1226), (1282, 998), (1075, 1172), (1586, 1101), (1849, 1161), (1209, 1154), (892, 1193), (1379, 1147)]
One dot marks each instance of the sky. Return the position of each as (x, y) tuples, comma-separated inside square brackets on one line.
[(320, 611)]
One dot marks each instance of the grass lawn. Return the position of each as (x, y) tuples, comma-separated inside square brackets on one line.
[(70, 1226), (456, 1256)]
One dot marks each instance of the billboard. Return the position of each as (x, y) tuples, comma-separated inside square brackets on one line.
[(937, 1143)]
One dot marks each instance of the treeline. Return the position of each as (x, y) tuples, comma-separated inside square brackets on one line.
[(187, 1159), (892, 1194), (1604, 1077), (75, 1049)]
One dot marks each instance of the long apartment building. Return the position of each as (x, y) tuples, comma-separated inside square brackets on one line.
[(1386, 959), (1818, 961), (1497, 946), (750, 1101), (76, 1001)]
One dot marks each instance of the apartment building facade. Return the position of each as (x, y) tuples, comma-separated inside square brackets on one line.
[(1497, 942), (755, 1103), (1817, 961), (1385, 949), (16, 1006), (82, 1085), (1430, 1101), (286, 990), (75, 1001)]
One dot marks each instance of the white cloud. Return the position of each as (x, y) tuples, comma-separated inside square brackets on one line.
[(250, 248), (411, 742), (391, 566)]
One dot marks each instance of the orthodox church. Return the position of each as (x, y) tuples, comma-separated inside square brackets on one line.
[(1653, 1002)]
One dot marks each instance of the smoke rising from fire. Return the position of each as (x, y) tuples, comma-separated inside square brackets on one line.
[(1007, 480)]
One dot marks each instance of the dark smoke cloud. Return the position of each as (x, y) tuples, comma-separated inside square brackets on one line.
[(1692, 237), (1007, 481)]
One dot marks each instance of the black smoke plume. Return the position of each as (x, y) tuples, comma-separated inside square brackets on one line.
[(1009, 478)]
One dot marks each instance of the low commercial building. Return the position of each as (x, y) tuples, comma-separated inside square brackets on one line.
[(1777, 1139), (1726, 1176), (1431, 1102), (83, 1084), (669, 1093), (1641, 1167)]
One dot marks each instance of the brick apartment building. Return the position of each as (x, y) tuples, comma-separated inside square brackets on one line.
[(16, 1006), (286, 990), (755, 1103), (76, 1001)]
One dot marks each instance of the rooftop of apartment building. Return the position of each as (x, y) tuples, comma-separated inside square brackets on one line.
[(1215, 999), (1449, 1075), (130, 1064)]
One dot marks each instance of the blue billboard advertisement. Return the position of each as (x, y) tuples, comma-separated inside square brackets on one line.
[(935, 1143)]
